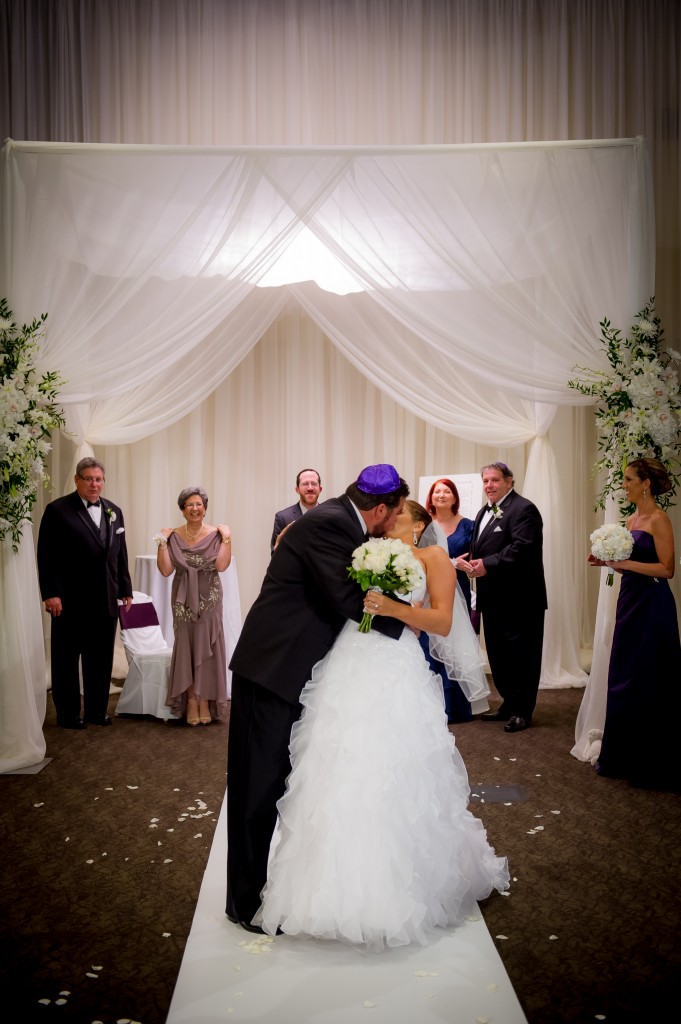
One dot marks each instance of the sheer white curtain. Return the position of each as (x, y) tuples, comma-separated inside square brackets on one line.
[(314, 73), (22, 659)]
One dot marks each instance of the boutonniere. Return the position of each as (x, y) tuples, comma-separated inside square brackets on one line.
[(497, 512), (111, 514)]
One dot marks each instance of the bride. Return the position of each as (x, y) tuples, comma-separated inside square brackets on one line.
[(375, 845)]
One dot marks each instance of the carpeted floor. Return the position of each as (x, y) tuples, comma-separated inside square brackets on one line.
[(103, 853)]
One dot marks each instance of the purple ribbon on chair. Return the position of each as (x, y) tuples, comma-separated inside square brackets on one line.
[(138, 615)]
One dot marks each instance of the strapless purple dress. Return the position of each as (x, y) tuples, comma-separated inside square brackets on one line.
[(640, 737)]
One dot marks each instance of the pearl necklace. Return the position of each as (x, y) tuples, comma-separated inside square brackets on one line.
[(189, 536)]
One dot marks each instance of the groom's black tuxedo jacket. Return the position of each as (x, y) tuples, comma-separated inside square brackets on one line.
[(305, 599), (511, 548), (89, 573)]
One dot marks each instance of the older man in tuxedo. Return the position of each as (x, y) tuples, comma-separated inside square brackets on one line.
[(308, 489), (305, 599), (506, 561), (83, 572)]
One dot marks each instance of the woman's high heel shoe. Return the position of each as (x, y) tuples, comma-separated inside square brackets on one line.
[(192, 712), (204, 713)]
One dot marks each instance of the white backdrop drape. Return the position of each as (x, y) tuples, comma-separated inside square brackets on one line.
[(329, 73)]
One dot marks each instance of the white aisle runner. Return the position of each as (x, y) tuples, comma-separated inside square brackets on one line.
[(457, 979)]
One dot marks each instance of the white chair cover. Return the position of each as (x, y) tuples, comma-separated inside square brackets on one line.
[(146, 685)]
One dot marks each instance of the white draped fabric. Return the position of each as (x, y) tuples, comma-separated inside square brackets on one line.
[(591, 716), (484, 262), (334, 302), (22, 658)]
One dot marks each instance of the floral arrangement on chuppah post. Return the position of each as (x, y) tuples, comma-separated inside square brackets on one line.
[(28, 415), (384, 564), (638, 412)]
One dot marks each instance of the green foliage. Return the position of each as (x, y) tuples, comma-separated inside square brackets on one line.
[(28, 415)]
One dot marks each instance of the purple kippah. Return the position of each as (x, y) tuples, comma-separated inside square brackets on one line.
[(380, 479)]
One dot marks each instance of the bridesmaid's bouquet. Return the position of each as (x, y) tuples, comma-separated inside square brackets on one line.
[(611, 543), (387, 565)]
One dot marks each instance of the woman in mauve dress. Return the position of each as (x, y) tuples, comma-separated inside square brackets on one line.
[(197, 553)]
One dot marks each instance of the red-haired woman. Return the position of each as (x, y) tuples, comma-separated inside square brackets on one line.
[(443, 503)]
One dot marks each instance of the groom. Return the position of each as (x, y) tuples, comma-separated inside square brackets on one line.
[(305, 599)]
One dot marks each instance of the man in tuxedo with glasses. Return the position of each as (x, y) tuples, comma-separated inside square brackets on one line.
[(506, 562), (83, 573)]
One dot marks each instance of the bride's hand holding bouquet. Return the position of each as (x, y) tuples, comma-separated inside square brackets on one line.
[(383, 566)]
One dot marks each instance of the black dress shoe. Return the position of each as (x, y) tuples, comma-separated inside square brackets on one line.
[(71, 723), (495, 716), (517, 724), (251, 927), (247, 927), (99, 720)]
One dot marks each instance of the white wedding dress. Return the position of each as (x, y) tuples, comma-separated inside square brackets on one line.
[(375, 844)]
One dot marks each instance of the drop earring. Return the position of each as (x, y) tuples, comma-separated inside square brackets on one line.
[(415, 538), (645, 494)]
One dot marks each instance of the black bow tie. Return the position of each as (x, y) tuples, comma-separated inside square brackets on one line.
[(492, 508), (93, 504)]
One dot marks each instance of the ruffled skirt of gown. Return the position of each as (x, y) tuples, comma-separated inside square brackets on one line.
[(375, 844)]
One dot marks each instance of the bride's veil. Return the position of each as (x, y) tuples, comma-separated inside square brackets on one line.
[(459, 651)]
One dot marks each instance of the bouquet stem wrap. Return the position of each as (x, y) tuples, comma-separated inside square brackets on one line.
[(368, 618)]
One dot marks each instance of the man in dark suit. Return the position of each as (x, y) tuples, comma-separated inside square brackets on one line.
[(506, 561), (83, 572), (305, 599), (308, 488)]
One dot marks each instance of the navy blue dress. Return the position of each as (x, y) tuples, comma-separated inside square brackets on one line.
[(640, 737), (459, 543)]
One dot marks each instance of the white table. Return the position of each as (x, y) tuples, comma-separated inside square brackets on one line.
[(150, 581)]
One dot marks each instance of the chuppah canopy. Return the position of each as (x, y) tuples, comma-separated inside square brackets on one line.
[(482, 263), (464, 281)]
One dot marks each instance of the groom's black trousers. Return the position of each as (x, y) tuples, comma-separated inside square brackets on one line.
[(258, 765)]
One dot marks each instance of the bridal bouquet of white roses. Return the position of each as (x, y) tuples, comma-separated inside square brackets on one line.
[(611, 543), (387, 565)]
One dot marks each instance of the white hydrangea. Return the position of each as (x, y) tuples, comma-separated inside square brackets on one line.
[(611, 543), (28, 415)]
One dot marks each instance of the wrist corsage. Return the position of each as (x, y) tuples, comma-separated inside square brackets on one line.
[(160, 540)]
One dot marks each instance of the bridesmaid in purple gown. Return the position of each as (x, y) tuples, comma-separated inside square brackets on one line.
[(640, 738), (196, 553)]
